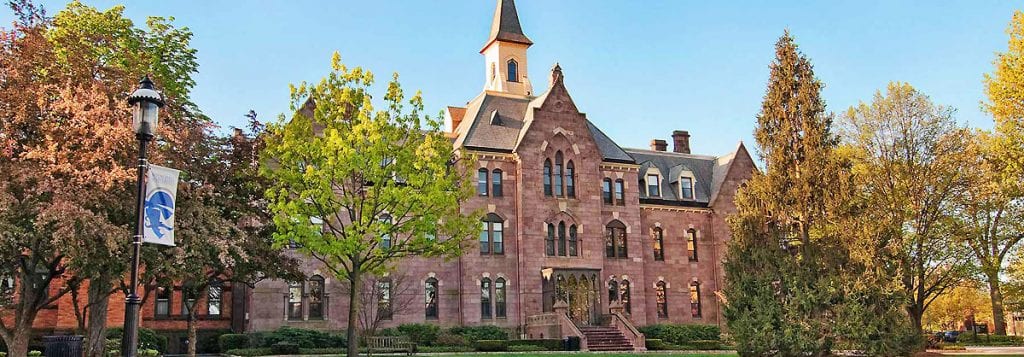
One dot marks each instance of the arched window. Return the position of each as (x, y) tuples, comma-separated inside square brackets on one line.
[(561, 239), (163, 301), (481, 182), (695, 300), (662, 300), (214, 296), (547, 177), (691, 244), (513, 70), (499, 298), (316, 297), (613, 290), (491, 239), (384, 308), (686, 187), (573, 241), (295, 300), (620, 192), (624, 296), (659, 243), (496, 183), (559, 175), (570, 180), (606, 190), (385, 238), (430, 295), (485, 298), (615, 240), (549, 242)]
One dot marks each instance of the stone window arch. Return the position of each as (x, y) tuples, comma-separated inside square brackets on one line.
[(615, 240), (512, 70), (430, 295), (658, 236)]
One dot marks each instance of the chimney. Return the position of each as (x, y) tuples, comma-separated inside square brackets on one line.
[(658, 145), (681, 141), (238, 133)]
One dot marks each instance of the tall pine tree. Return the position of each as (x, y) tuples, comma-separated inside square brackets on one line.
[(794, 282)]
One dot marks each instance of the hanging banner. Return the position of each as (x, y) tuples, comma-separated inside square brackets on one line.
[(161, 192)]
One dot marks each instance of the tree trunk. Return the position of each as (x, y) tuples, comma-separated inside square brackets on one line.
[(998, 315), (18, 346), (916, 315), (96, 332), (192, 332), (353, 309)]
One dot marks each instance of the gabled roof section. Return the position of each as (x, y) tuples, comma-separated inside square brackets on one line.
[(672, 164), (505, 26), (478, 131), (610, 151), (723, 165)]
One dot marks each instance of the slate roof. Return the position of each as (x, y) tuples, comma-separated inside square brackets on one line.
[(670, 165), (479, 131), (505, 26)]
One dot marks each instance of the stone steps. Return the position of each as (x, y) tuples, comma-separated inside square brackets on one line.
[(603, 338)]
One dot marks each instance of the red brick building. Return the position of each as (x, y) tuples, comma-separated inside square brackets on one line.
[(571, 216)]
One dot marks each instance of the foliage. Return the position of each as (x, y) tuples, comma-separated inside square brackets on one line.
[(490, 345), (954, 306), (548, 344), (526, 348), (447, 338), (285, 348), (681, 334), (233, 341), (704, 345), (421, 334), (247, 352), (34, 353), (1005, 90), (484, 332), (655, 344), (359, 188), (148, 338), (444, 349), (304, 338), (908, 156), (798, 278)]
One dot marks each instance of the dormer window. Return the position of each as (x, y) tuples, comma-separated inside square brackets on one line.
[(653, 185), (686, 188), (513, 70)]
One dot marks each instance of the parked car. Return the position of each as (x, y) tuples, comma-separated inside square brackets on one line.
[(948, 336)]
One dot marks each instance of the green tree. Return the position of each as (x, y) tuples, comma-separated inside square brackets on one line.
[(909, 163), (795, 284), (359, 188)]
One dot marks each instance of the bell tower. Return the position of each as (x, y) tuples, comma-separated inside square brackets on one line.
[(505, 53)]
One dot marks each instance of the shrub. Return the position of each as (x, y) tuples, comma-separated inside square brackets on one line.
[(3, 354), (421, 334), (303, 338), (526, 348), (248, 352), (322, 351), (682, 334), (444, 349), (232, 341), (35, 353), (148, 339), (149, 353), (285, 348), (491, 345), (450, 339), (548, 344), (476, 333), (656, 344), (705, 344)]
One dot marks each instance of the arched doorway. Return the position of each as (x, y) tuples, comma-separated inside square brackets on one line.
[(578, 289)]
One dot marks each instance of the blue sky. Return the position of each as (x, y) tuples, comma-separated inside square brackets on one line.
[(639, 69)]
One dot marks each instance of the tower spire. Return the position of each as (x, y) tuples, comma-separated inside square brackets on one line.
[(505, 26)]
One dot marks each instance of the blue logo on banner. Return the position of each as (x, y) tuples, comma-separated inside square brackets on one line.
[(159, 209)]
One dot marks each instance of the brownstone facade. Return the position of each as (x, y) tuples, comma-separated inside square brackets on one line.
[(590, 245)]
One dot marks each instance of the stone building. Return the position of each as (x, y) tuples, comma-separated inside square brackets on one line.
[(574, 222)]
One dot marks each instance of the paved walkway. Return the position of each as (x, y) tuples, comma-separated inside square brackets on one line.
[(995, 351)]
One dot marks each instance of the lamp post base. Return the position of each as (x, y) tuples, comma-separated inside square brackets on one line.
[(130, 342)]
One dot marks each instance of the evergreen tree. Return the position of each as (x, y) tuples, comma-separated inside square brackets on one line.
[(794, 282)]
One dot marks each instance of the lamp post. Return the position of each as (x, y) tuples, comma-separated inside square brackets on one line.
[(146, 103)]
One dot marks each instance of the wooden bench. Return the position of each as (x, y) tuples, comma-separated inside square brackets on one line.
[(389, 344)]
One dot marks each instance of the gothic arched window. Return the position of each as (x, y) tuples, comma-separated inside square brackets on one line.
[(430, 296), (662, 300), (691, 244), (570, 180), (513, 70), (496, 183), (549, 242), (561, 239), (499, 298), (559, 175), (695, 300), (547, 177), (573, 241), (613, 290), (659, 243), (485, 298), (615, 240)]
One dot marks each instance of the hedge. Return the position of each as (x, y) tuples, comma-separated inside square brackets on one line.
[(303, 338), (704, 345), (477, 333), (491, 345), (656, 344), (248, 352), (526, 348), (682, 334), (547, 344), (450, 339), (421, 334), (444, 349), (285, 348), (233, 341)]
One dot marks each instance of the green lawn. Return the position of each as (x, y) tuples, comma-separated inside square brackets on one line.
[(584, 354)]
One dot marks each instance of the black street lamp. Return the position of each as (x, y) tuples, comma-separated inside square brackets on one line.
[(146, 103)]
